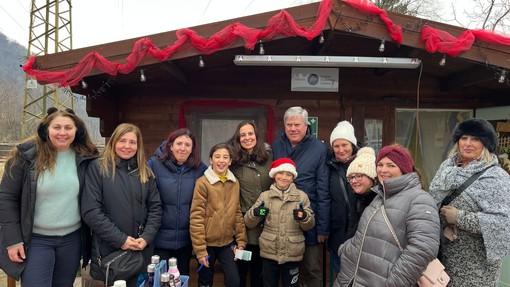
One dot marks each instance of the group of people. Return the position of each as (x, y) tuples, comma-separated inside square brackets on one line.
[(62, 201)]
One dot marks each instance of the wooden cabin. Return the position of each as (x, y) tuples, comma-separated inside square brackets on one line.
[(382, 103)]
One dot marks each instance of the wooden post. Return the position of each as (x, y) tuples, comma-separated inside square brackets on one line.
[(11, 282)]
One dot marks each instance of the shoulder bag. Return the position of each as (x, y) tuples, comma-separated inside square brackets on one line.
[(122, 264), (434, 275)]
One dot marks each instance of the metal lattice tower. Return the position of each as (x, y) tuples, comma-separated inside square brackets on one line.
[(50, 32)]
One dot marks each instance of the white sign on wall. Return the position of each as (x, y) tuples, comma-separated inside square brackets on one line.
[(314, 79)]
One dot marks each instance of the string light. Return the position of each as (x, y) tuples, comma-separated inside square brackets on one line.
[(442, 62), (321, 38), (382, 47), (261, 48), (84, 84), (142, 76), (201, 62), (502, 77)]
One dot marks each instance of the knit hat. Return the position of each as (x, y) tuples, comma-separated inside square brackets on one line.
[(364, 163), (343, 130), (283, 164), (479, 128), (399, 155)]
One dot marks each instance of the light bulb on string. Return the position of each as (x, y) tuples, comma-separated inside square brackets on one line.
[(442, 62), (382, 47), (321, 38), (261, 48), (84, 84), (142, 76), (502, 77), (201, 62)]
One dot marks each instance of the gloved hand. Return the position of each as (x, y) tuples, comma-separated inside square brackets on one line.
[(261, 211), (299, 213), (449, 213)]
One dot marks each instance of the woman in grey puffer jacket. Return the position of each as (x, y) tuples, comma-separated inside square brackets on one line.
[(372, 257)]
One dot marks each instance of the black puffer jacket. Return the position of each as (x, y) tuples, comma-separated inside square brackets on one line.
[(112, 207), (341, 210), (17, 205)]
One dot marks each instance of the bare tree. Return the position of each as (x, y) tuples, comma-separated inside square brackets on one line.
[(492, 15), (422, 8)]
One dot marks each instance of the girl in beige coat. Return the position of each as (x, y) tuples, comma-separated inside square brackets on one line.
[(287, 213)]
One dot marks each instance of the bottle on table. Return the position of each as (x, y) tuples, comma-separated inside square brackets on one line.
[(166, 280), (149, 282), (172, 269), (155, 259)]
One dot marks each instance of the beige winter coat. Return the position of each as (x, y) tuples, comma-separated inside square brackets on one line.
[(282, 238), (215, 216)]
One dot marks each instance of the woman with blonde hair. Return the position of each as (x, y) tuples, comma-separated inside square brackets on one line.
[(121, 202), (473, 194), (42, 235)]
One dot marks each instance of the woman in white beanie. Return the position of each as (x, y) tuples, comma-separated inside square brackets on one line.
[(361, 175), (344, 148)]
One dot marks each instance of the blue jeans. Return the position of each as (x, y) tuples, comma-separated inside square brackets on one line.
[(52, 261)]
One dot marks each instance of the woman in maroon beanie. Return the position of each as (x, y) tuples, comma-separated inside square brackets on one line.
[(398, 234)]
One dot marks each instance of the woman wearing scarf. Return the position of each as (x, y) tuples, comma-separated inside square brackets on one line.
[(475, 222)]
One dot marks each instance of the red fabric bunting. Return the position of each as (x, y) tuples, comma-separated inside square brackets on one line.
[(370, 8), (440, 41), (281, 23)]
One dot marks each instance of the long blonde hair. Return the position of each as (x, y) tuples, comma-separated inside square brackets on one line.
[(109, 159)]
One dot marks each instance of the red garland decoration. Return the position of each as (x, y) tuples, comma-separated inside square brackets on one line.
[(370, 8), (441, 41), (281, 23)]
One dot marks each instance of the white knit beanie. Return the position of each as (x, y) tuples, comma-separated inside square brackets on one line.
[(283, 164), (343, 130), (364, 163)]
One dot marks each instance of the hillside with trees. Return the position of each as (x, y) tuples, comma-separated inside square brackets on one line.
[(12, 82)]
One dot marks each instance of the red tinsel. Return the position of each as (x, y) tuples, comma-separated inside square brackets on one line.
[(281, 23), (441, 41), (370, 8)]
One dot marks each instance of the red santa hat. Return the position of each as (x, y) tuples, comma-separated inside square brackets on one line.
[(283, 164)]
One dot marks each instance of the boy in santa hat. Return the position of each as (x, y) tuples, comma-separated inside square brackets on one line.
[(287, 213)]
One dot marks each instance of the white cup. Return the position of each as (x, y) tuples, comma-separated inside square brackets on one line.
[(119, 283)]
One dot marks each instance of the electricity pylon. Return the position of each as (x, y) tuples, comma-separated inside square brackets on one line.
[(50, 32)]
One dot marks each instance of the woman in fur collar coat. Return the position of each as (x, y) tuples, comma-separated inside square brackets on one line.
[(476, 221)]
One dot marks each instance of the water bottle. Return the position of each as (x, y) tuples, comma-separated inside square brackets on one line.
[(172, 269), (149, 282), (164, 280), (155, 259)]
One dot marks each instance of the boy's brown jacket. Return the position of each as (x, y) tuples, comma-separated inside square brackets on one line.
[(215, 215)]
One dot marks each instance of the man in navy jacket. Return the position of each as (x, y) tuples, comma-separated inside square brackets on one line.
[(309, 153)]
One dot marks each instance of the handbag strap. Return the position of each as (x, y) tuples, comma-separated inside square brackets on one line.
[(447, 200), (390, 227)]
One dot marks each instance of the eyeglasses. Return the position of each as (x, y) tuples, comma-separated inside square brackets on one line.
[(358, 177)]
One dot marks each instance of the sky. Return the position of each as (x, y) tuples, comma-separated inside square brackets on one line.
[(96, 22)]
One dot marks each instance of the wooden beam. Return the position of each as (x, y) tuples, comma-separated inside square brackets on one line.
[(175, 72)]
